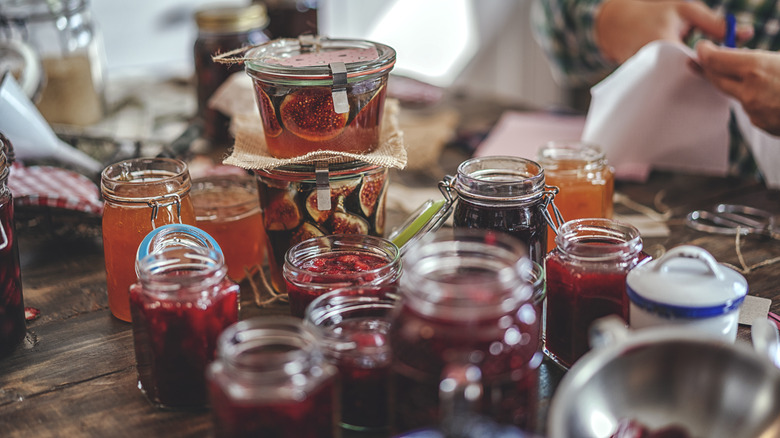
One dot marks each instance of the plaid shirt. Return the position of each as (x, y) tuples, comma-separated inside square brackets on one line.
[(565, 30)]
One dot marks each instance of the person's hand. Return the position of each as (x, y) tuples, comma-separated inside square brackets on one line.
[(750, 76), (625, 26)]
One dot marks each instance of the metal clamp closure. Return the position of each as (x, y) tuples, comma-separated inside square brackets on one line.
[(339, 91), (447, 188), (309, 42), (322, 179), (549, 196), (156, 204)]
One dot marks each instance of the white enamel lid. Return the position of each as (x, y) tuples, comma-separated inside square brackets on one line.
[(686, 282)]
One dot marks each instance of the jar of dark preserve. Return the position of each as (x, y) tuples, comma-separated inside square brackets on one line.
[(180, 304), (506, 194), (586, 280), (270, 379), (222, 29), (12, 323)]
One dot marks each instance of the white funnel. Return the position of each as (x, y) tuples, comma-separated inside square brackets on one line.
[(30, 134)]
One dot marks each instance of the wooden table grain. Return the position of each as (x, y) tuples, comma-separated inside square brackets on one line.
[(75, 373)]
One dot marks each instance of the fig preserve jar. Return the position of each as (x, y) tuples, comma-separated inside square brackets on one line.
[(179, 306), (322, 264), (12, 323), (270, 379), (316, 93), (465, 310), (506, 194), (584, 178), (352, 325), (140, 195), (302, 201), (586, 280)]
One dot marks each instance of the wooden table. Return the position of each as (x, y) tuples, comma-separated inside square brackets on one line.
[(75, 373)]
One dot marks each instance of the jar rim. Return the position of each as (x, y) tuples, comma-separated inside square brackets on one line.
[(220, 184), (161, 271), (553, 152), (153, 173), (504, 178), (598, 238)]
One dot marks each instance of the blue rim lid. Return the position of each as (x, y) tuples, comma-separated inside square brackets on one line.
[(176, 235)]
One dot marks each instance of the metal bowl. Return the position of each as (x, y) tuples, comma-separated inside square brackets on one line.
[(663, 377)]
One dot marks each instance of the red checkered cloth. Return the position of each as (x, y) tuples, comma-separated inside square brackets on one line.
[(54, 187)]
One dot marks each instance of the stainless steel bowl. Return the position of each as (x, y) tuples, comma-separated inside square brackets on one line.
[(662, 377)]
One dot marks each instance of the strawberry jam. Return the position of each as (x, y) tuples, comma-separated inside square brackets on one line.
[(12, 324)]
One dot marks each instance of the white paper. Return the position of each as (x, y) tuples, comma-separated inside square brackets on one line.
[(654, 112), (764, 147)]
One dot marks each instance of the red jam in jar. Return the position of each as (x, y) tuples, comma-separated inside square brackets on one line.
[(270, 379), (586, 280), (322, 264), (12, 323), (320, 94), (179, 306), (352, 325)]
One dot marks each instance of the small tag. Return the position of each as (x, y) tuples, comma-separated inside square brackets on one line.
[(322, 177), (753, 308)]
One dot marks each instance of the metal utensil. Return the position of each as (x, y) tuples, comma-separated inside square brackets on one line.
[(730, 219)]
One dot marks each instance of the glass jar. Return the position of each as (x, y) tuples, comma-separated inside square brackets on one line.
[(316, 93), (465, 310), (65, 37), (140, 195), (270, 379), (180, 304), (227, 207), (586, 280), (291, 18), (352, 325), (12, 323), (506, 194), (222, 29), (348, 198), (584, 178), (322, 264)]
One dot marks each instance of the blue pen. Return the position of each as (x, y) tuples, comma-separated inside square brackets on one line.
[(731, 31)]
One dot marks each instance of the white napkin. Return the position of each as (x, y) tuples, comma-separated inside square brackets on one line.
[(764, 147), (654, 112)]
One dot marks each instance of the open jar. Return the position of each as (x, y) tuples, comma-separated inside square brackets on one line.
[(316, 93)]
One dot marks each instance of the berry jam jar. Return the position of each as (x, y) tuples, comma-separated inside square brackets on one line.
[(222, 29), (322, 264), (227, 208), (12, 323), (293, 208), (584, 178), (316, 93), (352, 325), (586, 280), (505, 194), (465, 310), (180, 304), (141, 194), (270, 379)]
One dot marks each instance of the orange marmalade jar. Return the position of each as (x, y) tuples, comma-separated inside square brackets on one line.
[(140, 195), (585, 179)]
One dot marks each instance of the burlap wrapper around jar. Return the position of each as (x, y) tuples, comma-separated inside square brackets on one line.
[(251, 152)]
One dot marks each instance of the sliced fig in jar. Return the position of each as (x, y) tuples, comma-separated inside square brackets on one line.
[(271, 125), (348, 223), (370, 191), (338, 191), (379, 220), (281, 213), (309, 114), (307, 230), (312, 207), (370, 114)]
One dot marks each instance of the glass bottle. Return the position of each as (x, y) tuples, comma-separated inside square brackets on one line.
[(270, 379), (465, 310), (12, 322), (506, 194), (222, 29), (584, 178), (140, 195), (180, 304), (65, 36), (586, 280)]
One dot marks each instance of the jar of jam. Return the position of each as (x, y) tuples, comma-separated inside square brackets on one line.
[(302, 201), (465, 309), (506, 194), (586, 280), (222, 29), (228, 209), (584, 178), (270, 379), (316, 93), (352, 325), (12, 323), (322, 264), (140, 195), (179, 306)]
